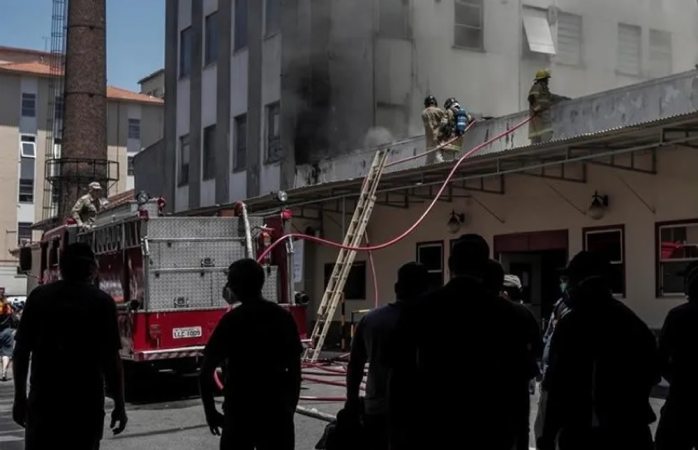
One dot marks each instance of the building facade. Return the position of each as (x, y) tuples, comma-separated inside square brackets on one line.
[(134, 121)]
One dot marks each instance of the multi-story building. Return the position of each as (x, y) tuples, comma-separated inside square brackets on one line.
[(154, 84), (134, 122)]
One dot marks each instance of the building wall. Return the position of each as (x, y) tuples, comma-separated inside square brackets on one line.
[(531, 204), (154, 85)]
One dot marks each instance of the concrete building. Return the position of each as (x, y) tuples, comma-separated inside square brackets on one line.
[(134, 121), (154, 84)]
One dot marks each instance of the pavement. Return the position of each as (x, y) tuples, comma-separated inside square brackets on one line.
[(170, 417)]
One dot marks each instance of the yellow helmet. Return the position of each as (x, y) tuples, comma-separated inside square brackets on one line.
[(543, 74)]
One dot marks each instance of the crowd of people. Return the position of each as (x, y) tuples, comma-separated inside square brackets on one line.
[(447, 368)]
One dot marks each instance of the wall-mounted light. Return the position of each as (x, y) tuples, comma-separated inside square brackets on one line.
[(455, 222), (280, 196), (599, 204)]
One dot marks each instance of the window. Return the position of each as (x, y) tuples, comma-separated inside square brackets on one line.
[(240, 144), (355, 286), (569, 39), (27, 146), (610, 242), (677, 247), (58, 108), (183, 173), (273, 133), (272, 17), (24, 233), (26, 180), (394, 18), (185, 51), (661, 61), (130, 170), (240, 24), (28, 105), (469, 21), (209, 153), (134, 129), (537, 31), (629, 49), (211, 49), (431, 255)]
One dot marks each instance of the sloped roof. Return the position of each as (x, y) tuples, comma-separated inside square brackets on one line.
[(115, 93)]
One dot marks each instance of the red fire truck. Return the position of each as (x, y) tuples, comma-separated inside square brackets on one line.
[(166, 275)]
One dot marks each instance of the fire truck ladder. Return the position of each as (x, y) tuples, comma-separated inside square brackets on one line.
[(357, 228)]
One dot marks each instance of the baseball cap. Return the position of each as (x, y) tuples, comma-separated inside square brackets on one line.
[(512, 281), (95, 186)]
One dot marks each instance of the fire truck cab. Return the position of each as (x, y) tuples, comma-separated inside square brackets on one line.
[(166, 275)]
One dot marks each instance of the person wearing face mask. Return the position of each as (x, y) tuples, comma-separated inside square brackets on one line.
[(259, 345), (603, 364)]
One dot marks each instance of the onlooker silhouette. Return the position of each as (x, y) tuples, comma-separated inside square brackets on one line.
[(7, 325), (69, 330), (678, 349), (460, 357), (603, 364), (259, 345), (521, 402), (371, 344)]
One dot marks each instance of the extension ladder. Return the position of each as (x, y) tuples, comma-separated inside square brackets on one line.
[(355, 233)]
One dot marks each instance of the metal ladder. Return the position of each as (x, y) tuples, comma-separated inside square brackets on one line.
[(355, 233)]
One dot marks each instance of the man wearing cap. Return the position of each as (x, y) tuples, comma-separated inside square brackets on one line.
[(86, 208), (540, 100), (603, 365)]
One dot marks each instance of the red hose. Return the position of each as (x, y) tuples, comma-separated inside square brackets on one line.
[(414, 226)]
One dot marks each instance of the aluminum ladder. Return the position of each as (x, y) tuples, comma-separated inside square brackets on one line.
[(355, 233)]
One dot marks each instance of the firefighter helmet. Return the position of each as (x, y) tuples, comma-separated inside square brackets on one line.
[(450, 102), (430, 101), (543, 74)]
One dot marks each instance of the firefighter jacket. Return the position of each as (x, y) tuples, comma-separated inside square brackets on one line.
[(433, 118), (540, 99), (85, 210)]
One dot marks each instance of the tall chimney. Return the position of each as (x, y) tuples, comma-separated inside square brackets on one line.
[(84, 145)]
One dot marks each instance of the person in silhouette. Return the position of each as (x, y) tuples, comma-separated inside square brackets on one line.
[(371, 344), (69, 330), (678, 349), (434, 401), (259, 345), (521, 402), (603, 365)]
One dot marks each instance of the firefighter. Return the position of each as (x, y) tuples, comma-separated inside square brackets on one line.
[(540, 100), (86, 208), (454, 126), (433, 118)]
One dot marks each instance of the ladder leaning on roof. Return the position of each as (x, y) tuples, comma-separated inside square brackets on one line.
[(357, 228)]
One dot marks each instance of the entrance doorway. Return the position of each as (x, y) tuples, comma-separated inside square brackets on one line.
[(536, 259)]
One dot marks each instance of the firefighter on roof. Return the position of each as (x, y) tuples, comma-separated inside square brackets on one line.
[(540, 100), (432, 116), (86, 208), (453, 129)]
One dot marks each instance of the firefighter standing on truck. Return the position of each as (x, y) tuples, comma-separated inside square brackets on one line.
[(540, 100), (86, 208), (433, 118), (453, 129)]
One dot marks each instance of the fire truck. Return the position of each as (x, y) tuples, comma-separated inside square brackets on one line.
[(166, 274)]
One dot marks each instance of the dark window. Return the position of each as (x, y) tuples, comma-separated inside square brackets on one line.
[(273, 132), (431, 255), (209, 152), (610, 242), (28, 105), (183, 175), (240, 145), (58, 108), (355, 287), (394, 18), (26, 180), (468, 26), (272, 16), (211, 50), (130, 166), (134, 128), (240, 24), (24, 233), (677, 248), (185, 51)]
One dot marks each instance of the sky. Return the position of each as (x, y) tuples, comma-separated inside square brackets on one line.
[(135, 34)]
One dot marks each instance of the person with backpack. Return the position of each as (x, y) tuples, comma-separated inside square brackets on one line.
[(453, 128)]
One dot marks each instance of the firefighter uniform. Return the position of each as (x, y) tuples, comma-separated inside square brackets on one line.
[(540, 99), (452, 150), (86, 208), (433, 118)]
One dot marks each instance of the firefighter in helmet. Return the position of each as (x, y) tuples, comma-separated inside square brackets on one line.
[(540, 100), (454, 127), (432, 116), (86, 208)]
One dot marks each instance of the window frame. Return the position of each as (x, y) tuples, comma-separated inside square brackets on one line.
[(208, 153), (659, 279), (240, 39), (130, 169), (479, 4), (182, 174), (623, 263), (134, 128), (653, 51), (619, 70), (58, 108), (559, 59), (273, 149), (276, 29), (186, 69), (26, 96), (238, 165), (211, 39), (22, 142), (432, 244), (26, 197), (24, 226)]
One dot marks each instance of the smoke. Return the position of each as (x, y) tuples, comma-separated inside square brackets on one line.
[(377, 136)]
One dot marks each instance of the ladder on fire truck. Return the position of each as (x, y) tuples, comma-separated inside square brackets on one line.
[(355, 233)]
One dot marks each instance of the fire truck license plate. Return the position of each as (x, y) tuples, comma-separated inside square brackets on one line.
[(189, 332)]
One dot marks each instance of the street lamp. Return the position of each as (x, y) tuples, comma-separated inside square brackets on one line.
[(599, 204)]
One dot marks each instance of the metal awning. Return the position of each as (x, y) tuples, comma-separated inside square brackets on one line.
[(538, 33)]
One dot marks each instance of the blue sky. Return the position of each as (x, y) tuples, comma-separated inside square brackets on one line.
[(135, 34)]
